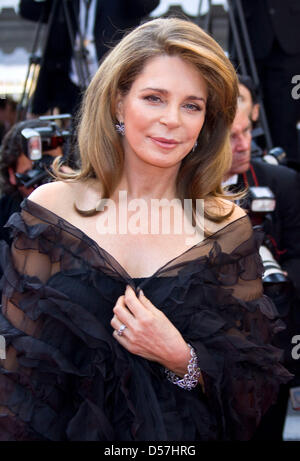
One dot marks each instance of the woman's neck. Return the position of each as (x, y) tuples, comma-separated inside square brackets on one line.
[(148, 183)]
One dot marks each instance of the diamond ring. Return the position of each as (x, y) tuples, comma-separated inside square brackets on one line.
[(121, 330)]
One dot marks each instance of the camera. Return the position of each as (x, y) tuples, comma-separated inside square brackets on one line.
[(36, 141), (274, 156), (261, 203)]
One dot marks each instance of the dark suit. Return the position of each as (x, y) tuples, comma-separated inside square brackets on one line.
[(274, 32), (113, 17), (284, 230), (285, 184), (268, 20)]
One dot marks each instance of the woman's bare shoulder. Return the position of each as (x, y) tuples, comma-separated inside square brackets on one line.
[(55, 196), (60, 196), (221, 207)]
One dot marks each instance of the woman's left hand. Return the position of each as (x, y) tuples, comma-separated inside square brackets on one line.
[(149, 333)]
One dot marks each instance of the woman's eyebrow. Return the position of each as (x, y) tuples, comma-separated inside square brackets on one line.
[(163, 91)]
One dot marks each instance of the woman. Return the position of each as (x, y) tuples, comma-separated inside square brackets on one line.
[(121, 335)]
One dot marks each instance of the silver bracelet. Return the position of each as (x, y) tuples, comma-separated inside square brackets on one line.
[(191, 378)]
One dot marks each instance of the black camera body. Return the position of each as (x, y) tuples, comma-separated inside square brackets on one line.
[(274, 156), (36, 141), (261, 204)]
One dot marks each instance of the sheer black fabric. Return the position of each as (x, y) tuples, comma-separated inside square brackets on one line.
[(66, 378)]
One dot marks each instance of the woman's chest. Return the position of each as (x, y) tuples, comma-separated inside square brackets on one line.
[(141, 242), (141, 253)]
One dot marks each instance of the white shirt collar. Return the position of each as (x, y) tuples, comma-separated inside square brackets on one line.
[(232, 180)]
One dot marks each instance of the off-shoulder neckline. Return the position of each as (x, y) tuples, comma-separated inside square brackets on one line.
[(27, 204)]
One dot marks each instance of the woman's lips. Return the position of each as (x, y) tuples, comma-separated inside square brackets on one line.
[(165, 143)]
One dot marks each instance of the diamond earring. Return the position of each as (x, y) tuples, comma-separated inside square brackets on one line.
[(120, 128), (195, 146)]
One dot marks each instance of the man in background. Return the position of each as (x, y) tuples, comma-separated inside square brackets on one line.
[(248, 99), (283, 232)]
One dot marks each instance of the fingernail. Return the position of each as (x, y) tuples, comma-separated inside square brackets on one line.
[(141, 293)]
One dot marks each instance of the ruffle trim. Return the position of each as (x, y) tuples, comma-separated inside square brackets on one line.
[(72, 370)]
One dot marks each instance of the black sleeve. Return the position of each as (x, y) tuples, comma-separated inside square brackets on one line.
[(46, 353), (241, 369), (288, 216)]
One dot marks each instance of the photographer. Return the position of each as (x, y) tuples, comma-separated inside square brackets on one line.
[(248, 99), (15, 164), (282, 230)]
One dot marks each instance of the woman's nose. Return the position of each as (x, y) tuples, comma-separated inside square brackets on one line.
[(170, 116)]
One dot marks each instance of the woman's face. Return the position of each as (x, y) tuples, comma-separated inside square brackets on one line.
[(163, 112)]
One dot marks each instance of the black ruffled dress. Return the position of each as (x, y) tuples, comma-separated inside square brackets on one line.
[(65, 377)]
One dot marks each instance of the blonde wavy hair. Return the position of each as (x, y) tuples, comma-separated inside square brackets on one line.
[(102, 156)]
